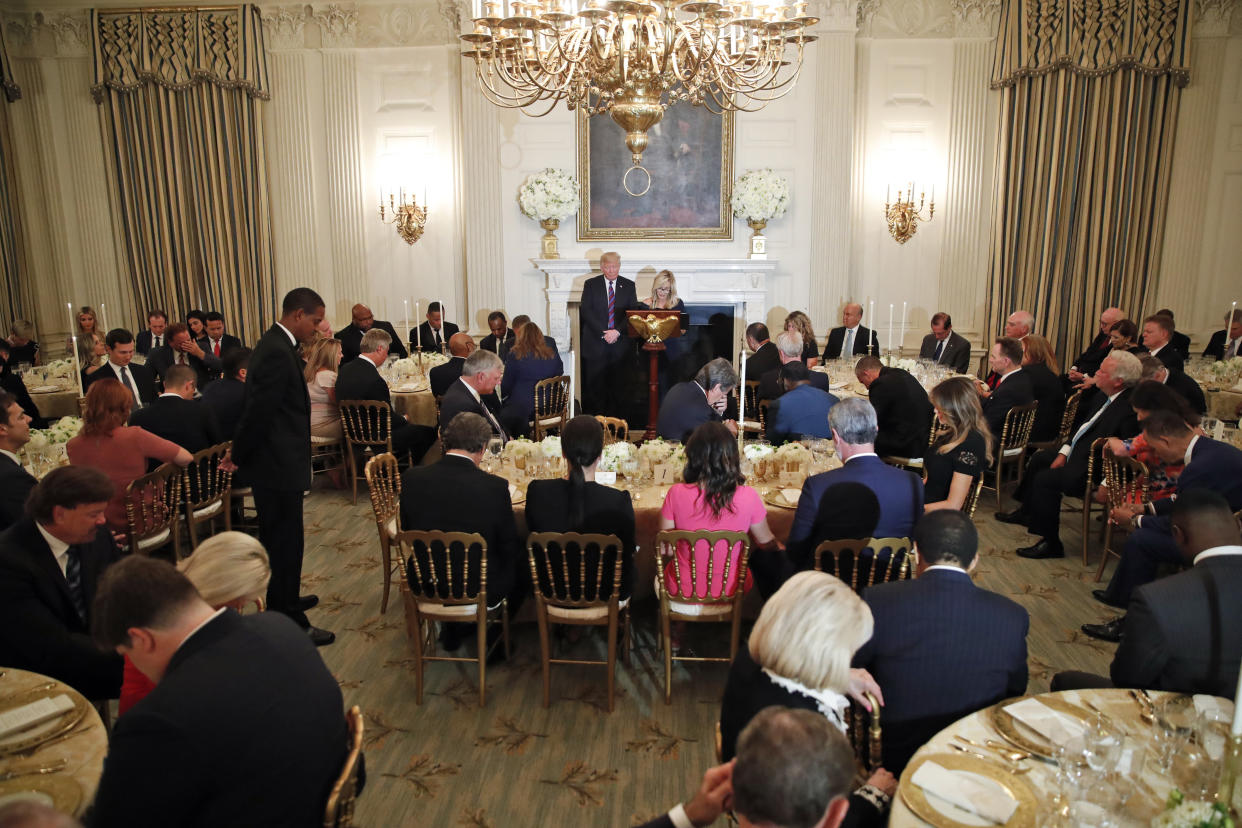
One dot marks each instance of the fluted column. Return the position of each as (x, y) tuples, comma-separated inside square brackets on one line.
[(964, 256), (482, 220), (831, 210), (290, 173), (347, 201)]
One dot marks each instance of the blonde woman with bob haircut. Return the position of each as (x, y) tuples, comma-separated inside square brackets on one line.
[(963, 450), (799, 656), (230, 570)]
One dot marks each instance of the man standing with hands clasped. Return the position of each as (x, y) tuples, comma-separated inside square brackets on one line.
[(605, 299)]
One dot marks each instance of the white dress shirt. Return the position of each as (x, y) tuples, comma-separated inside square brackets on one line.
[(120, 371), (60, 549), (1217, 551), (1082, 429), (293, 340)]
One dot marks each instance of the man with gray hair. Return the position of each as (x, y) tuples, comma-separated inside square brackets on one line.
[(360, 379), (1157, 371), (481, 373), (793, 770), (899, 492), (688, 405), (789, 349), (1050, 474)]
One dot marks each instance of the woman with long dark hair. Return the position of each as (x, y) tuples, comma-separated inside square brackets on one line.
[(196, 321), (962, 451), (528, 361), (576, 503), (713, 498)]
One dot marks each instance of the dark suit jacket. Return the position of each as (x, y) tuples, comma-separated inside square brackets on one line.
[(1050, 396), (1017, 390), (16, 386), (770, 383), (1171, 357), (458, 399), (226, 398), (246, 728), (605, 511), (1183, 633), (15, 485), (1213, 465), (804, 410), (227, 343), (1217, 344), (1118, 420), (144, 340), (969, 652), (521, 376), (188, 423), (684, 409), (1181, 343), (443, 376), (956, 353), (39, 628), (361, 380), (499, 348), (900, 493), (161, 359), (865, 342), (593, 316), (762, 361), (141, 374), (903, 413), (454, 495), (432, 339), (1188, 388), (1089, 361), (351, 338), (272, 442)]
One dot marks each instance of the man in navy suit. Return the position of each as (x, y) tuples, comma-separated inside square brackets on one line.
[(606, 345), (802, 409), (1013, 386), (851, 338), (1183, 633), (942, 647), (688, 405), (120, 367), (1209, 465), (900, 492), (153, 336)]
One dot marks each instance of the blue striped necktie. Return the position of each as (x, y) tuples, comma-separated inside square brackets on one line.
[(73, 574), (612, 305)]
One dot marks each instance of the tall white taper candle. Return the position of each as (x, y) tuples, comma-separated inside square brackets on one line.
[(77, 365), (890, 327)]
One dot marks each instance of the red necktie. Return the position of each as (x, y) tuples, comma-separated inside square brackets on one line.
[(215, 347)]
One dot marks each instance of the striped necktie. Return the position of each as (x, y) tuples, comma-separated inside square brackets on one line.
[(939, 351), (73, 575), (612, 305)]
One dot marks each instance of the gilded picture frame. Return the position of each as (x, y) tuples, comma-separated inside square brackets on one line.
[(690, 158)]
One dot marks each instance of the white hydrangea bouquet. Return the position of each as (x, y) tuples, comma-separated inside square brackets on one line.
[(657, 450), (549, 196), (519, 448), (1225, 371), (618, 457), (1182, 813), (551, 447), (63, 430), (904, 363), (793, 453), (755, 452), (59, 369), (760, 196), (431, 359)]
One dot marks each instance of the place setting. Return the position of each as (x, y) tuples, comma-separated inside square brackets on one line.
[(30, 721)]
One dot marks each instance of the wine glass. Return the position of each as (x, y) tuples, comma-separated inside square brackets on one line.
[(1170, 731)]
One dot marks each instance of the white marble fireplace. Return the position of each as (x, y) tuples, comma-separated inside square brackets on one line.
[(742, 283)]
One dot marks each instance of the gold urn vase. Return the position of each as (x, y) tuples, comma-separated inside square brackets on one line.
[(758, 241), (547, 245)]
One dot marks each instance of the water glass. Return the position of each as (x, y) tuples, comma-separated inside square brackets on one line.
[(1170, 731), (1072, 766), (1131, 761), (1094, 805), (1102, 743)]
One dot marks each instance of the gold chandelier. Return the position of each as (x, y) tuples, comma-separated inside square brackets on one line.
[(633, 58)]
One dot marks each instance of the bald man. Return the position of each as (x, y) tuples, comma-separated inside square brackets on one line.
[(1088, 361), (363, 321), (442, 377), (852, 338)]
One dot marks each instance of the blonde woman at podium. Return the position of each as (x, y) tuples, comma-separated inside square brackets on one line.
[(664, 297)]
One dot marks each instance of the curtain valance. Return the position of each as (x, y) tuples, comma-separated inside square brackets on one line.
[(11, 90), (179, 49), (1093, 38)]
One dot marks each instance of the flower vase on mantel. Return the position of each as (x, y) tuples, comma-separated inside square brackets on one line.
[(549, 197), (547, 244), (758, 241), (758, 197)]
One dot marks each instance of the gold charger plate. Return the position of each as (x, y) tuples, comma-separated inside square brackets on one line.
[(59, 792), (776, 497), (1022, 736), (517, 496), (37, 735), (1016, 787)]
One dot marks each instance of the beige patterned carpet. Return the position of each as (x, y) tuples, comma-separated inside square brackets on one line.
[(513, 763)]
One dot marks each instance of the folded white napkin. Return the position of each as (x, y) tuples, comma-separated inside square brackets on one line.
[(513, 490), (966, 792), (1054, 726), (791, 495), (1210, 704), (36, 712)]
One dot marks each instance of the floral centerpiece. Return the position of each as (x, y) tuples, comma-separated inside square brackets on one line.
[(757, 451), (656, 451), (1224, 372), (551, 447), (618, 457), (549, 196), (519, 449), (793, 453), (904, 363), (758, 197), (50, 442), (1180, 813)]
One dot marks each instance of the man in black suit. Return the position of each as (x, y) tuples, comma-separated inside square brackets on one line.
[(792, 766), (852, 338), (902, 409), (500, 340), (455, 495), (1088, 362), (788, 349), (945, 346), (153, 336), (604, 340), (687, 405), (15, 481), (137, 378), (1209, 464), (1013, 385), (1049, 474), (1179, 381), (764, 355), (1179, 340), (183, 350), (443, 376), (1183, 633), (226, 397), (272, 447), (1157, 339), (361, 380), (434, 334), (216, 342), (363, 321), (50, 562), (176, 416), (969, 644), (245, 724), (481, 373), (1227, 342)]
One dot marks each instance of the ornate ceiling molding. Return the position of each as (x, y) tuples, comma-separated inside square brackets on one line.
[(361, 25), (48, 34), (1212, 18)]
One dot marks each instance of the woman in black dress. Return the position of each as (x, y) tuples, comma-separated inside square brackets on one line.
[(800, 322), (578, 504), (1039, 362), (961, 453), (673, 367)]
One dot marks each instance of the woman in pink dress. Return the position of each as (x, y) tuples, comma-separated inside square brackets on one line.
[(713, 498), (118, 450)]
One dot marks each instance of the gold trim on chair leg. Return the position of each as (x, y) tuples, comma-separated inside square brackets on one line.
[(386, 558), (666, 634), (545, 649), (481, 632), (612, 653), (418, 654)]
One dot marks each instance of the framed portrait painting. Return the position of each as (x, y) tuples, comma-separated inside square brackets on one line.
[(690, 158)]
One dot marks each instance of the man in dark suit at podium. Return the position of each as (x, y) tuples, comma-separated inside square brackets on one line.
[(605, 342), (363, 321), (434, 334), (945, 346), (852, 338)]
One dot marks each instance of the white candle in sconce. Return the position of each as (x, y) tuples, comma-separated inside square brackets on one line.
[(418, 332), (1237, 704), (741, 399), (902, 339), (871, 346), (406, 304), (571, 383), (103, 316), (73, 320), (77, 365), (890, 327)]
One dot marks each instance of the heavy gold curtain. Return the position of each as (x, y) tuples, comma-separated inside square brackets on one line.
[(179, 93), (1089, 96), (12, 253)]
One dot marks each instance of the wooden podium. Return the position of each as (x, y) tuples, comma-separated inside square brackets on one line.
[(653, 327)]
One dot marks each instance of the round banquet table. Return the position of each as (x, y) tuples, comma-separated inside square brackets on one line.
[(1115, 703), (1223, 405), (414, 401), (83, 749), (56, 404)]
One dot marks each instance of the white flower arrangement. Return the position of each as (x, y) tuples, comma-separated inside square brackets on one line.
[(59, 369), (432, 359), (406, 367), (63, 430), (550, 446), (617, 456), (904, 363), (760, 195), (1225, 370), (549, 194), (519, 447), (657, 450), (793, 453), (1180, 813), (755, 452)]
